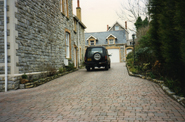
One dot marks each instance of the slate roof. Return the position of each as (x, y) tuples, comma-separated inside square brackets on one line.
[(101, 37)]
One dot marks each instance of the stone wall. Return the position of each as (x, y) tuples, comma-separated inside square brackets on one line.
[(2, 59), (1, 36), (79, 39), (41, 29), (41, 34)]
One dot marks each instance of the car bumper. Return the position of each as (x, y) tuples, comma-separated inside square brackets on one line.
[(94, 64)]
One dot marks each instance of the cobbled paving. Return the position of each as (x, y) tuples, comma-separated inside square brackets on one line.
[(95, 96)]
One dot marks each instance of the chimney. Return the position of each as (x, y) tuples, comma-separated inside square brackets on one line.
[(78, 10), (125, 24), (107, 27), (78, 3)]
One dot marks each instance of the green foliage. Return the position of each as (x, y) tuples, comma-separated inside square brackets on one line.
[(130, 55), (145, 22), (174, 85), (167, 39), (130, 61), (144, 41), (70, 67), (132, 67), (150, 74), (138, 23), (24, 76), (62, 69)]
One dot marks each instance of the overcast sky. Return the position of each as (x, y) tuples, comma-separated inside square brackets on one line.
[(97, 14)]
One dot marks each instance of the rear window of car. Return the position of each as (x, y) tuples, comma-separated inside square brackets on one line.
[(91, 51)]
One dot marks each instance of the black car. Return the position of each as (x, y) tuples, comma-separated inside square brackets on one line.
[(97, 56)]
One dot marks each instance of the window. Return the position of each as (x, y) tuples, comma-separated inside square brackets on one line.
[(116, 27), (64, 7), (91, 51), (67, 45), (61, 5), (92, 42), (111, 41)]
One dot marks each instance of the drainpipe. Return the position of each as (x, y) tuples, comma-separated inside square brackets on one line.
[(78, 42), (5, 43)]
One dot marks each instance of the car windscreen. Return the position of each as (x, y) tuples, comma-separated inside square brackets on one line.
[(91, 51)]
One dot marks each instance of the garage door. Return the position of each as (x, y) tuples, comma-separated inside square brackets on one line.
[(115, 58)]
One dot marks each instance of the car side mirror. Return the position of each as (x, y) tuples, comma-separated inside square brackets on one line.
[(109, 55)]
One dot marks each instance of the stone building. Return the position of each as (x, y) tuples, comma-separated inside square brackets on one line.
[(114, 39), (41, 33)]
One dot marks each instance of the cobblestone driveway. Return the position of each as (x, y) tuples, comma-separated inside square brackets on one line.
[(110, 96)]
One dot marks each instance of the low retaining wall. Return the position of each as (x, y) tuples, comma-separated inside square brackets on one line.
[(36, 79)]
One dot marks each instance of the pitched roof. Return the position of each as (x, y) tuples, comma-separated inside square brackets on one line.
[(102, 37), (112, 36), (92, 37), (119, 25)]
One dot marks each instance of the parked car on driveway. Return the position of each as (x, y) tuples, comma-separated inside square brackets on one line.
[(97, 56)]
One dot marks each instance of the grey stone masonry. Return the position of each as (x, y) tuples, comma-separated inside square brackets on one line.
[(41, 34), (1, 32), (36, 38)]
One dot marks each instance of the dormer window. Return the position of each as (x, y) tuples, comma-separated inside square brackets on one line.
[(111, 39), (92, 40)]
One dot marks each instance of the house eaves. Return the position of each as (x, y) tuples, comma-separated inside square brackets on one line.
[(111, 35), (120, 25), (92, 37), (78, 20)]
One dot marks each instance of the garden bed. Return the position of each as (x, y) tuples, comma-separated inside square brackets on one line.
[(172, 94), (41, 81)]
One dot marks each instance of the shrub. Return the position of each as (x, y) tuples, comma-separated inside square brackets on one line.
[(70, 66), (24, 76), (130, 55), (174, 85), (150, 74), (62, 69), (130, 62)]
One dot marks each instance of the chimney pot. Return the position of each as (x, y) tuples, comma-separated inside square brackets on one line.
[(107, 27), (78, 3), (125, 24)]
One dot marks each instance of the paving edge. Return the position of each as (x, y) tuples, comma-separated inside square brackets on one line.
[(41, 81), (179, 99)]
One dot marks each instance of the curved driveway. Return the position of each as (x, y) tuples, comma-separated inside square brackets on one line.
[(110, 96)]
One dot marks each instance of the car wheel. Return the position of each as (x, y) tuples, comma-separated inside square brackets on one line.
[(106, 67), (88, 68), (109, 66), (92, 68)]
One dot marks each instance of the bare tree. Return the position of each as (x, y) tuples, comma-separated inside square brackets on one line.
[(132, 9)]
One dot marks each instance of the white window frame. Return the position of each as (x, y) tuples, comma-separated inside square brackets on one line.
[(61, 5), (111, 41), (67, 45), (92, 42), (65, 7)]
